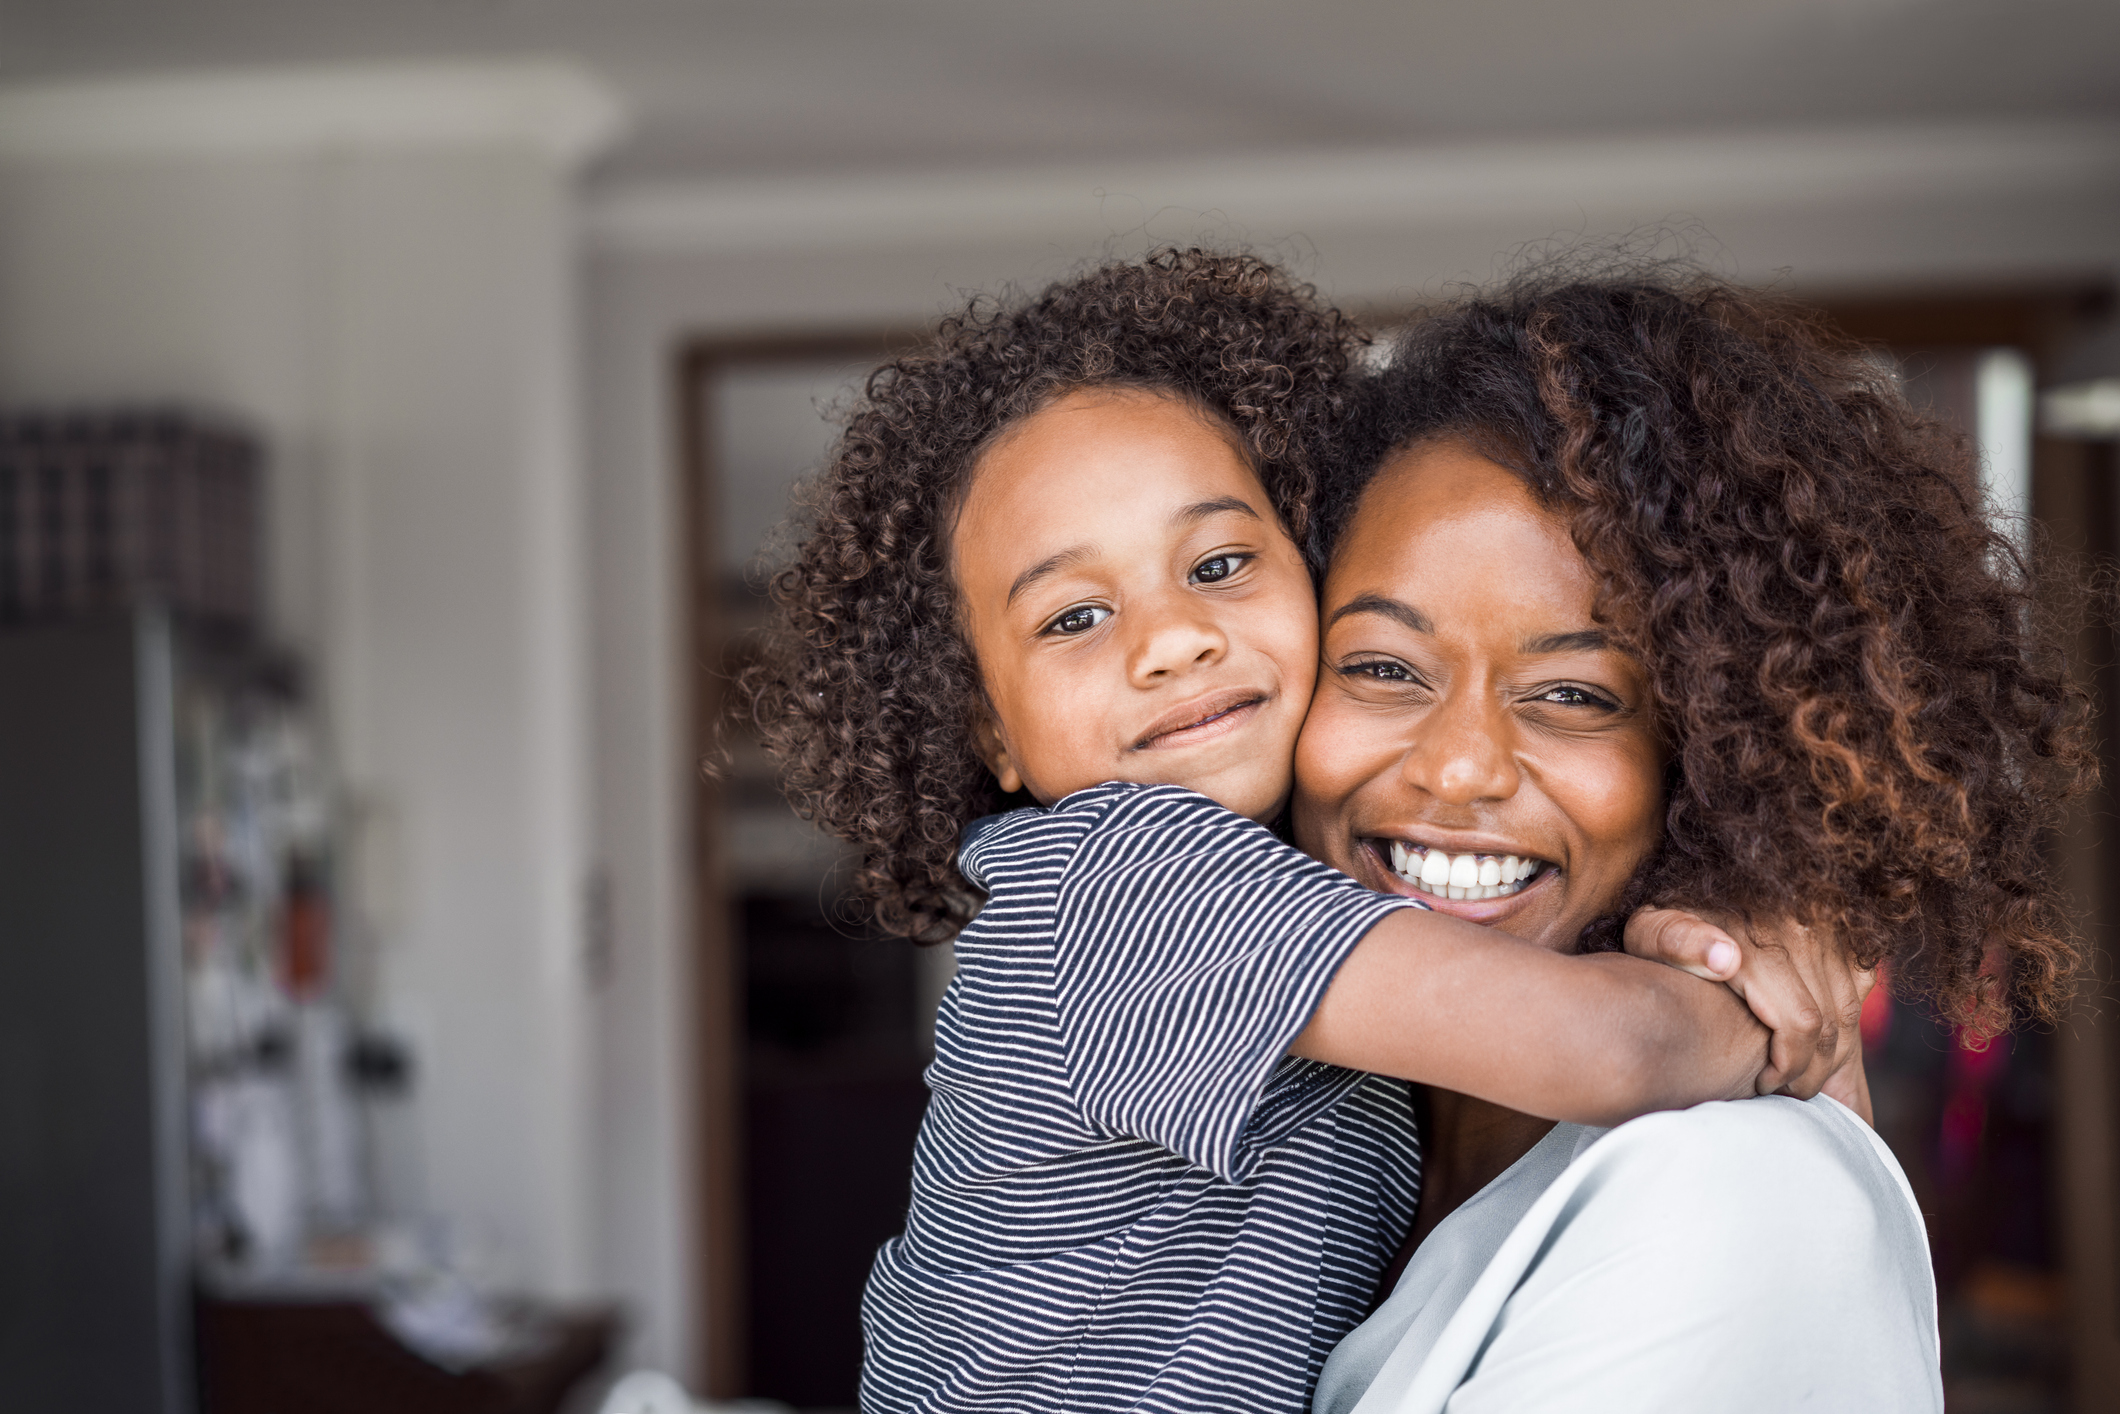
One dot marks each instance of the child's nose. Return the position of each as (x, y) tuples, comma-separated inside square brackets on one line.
[(1174, 644)]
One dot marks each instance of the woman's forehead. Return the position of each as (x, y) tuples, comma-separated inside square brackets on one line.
[(1443, 519)]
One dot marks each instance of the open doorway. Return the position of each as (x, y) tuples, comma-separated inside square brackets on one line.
[(814, 1029)]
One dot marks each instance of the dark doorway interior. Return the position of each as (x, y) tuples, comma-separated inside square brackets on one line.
[(832, 1099)]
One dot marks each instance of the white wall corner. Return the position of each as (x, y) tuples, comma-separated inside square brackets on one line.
[(550, 108)]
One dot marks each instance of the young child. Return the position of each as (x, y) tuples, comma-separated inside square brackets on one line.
[(1169, 1147)]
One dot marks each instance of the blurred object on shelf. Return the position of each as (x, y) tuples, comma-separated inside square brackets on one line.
[(285, 1081), (100, 510), (277, 1131)]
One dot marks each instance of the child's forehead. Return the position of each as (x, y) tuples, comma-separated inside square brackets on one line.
[(1118, 411), (1126, 446)]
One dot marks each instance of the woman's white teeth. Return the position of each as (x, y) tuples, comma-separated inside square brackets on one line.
[(1461, 876)]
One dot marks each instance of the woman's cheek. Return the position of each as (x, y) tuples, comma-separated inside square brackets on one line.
[(1344, 757), (1323, 773), (1617, 802)]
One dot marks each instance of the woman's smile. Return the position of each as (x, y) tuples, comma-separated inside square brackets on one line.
[(1466, 874)]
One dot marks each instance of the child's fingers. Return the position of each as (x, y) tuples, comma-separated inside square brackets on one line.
[(1804, 993), (1833, 986), (1804, 1051), (1801, 1054), (1683, 940), (1796, 1063)]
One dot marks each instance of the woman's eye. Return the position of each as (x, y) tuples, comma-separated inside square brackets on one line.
[(1080, 619), (1382, 670), (1216, 568), (1569, 695)]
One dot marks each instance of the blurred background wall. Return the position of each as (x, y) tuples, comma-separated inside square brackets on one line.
[(461, 265)]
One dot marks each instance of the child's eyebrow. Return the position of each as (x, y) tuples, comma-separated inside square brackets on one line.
[(1051, 564), (1197, 511), (1201, 510)]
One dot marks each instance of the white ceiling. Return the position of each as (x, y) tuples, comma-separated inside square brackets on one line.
[(757, 87)]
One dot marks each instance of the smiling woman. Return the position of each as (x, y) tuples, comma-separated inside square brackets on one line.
[(1839, 655), (1646, 593)]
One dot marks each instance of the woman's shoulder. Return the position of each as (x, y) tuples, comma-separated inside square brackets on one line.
[(1728, 1135), (1801, 1171), (1750, 1255)]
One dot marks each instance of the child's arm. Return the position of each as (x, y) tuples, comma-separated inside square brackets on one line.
[(1596, 1039)]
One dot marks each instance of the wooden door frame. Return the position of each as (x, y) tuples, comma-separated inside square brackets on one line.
[(720, 1248)]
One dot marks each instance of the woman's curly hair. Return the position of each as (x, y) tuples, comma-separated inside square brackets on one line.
[(1862, 720), (866, 691)]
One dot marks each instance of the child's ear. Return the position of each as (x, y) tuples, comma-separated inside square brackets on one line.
[(986, 740)]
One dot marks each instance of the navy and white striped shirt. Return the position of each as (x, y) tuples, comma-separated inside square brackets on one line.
[(1126, 1194)]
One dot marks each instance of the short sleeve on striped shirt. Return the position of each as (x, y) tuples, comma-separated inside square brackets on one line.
[(1190, 949)]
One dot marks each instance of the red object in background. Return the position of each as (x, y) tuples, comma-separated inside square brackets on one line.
[(1876, 1021), (1971, 1072), (305, 934)]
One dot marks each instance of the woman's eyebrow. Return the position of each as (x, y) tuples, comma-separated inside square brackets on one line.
[(1395, 610), (1582, 640)]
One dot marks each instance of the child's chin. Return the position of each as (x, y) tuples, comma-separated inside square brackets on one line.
[(1255, 795)]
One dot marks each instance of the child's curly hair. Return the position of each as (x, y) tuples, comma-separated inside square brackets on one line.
[(866, 691), (1863, 723)]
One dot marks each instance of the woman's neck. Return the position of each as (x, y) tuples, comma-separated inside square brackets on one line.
[(1465, 1146)]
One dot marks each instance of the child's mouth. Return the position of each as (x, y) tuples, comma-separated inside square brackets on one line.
[(1471, 877), (1201, 718)]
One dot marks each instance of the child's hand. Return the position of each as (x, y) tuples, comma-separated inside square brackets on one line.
[(1796, 981)]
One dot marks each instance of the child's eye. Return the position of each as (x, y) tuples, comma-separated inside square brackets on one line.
[(1216, 568), (1080, 619)]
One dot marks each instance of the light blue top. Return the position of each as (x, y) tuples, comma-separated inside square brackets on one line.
[(1747, 1256)]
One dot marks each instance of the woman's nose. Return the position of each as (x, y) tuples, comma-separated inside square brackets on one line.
[(1173, 641), (1462, 754)]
